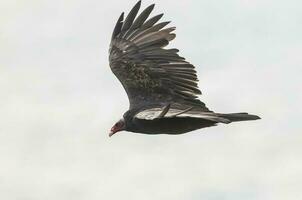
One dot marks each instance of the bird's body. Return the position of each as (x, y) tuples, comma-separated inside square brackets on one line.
[(171, 126), (161, 86)]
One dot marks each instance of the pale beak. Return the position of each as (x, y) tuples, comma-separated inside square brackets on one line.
[(111, 133)]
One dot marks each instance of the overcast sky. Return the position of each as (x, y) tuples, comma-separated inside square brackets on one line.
[(59, 99)]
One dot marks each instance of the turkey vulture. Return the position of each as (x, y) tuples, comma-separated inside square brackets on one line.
[(161, 85)]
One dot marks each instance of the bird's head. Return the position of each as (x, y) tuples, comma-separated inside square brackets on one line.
[(118, 126)]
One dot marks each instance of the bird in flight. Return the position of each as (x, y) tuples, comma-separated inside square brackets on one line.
[(161, 85)]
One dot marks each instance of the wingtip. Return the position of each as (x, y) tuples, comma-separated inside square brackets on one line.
[(122, 16), (152, 6), (138, 3), (254, 117), (173, 28)]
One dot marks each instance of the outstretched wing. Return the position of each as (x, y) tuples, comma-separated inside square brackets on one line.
[(151, 74)]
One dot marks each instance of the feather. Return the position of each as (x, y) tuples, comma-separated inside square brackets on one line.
[(149, 23), (153, 36), (152, 29), (185, 91), (178, 65), (135, 27), (160, 52), (164, 111), (153, 113), (182, 112), (185, 76), (142, 17), (156, 43), (184, 80), (195, 89), (131, 16), (118, 26)]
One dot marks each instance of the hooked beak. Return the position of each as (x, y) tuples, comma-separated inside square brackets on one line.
[(119, 126), (112, 131)]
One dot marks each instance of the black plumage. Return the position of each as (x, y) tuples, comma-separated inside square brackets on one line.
[(161, 85)]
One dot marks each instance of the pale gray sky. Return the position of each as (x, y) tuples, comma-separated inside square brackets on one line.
[(59, 99)]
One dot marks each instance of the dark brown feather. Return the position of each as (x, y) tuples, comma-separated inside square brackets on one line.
[(118, 26), (131, 16)]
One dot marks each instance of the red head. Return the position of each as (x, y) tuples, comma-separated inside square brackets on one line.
[(118, 126)]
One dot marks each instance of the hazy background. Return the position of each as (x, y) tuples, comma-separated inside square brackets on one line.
[(58, 100)]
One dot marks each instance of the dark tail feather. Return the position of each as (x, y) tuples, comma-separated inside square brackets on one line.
[(235, 117)]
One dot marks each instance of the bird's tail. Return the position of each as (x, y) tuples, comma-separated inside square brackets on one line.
[(235, 117)]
